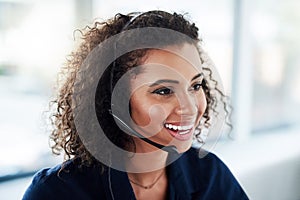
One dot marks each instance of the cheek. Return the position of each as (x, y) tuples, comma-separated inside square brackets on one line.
[(202, 103), (146, 114), (139, 114), (149, 119)]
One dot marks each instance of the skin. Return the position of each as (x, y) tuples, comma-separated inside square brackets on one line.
[(167, 91)]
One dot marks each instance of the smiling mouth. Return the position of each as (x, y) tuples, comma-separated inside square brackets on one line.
[(180, 132), (180, 129)]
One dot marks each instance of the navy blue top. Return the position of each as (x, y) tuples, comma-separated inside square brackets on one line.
[(189, 177)]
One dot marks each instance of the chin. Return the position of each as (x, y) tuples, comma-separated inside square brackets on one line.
[(183, 147)]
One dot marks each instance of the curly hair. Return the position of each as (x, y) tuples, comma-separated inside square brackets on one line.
[(65, 136)]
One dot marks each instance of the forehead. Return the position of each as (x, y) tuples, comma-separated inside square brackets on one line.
[(175, 62)]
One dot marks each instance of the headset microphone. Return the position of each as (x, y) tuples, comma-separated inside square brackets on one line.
[(170, 149)]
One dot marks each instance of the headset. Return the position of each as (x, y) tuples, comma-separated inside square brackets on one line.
[(170, 149)]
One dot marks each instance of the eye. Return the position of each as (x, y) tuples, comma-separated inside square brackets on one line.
[(197, 86), (163, 91)]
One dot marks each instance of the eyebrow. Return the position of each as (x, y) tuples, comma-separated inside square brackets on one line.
[(158, 82), (197, 76), (163, 81)]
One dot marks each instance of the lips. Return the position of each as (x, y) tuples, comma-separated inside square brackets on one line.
[(180, 132)]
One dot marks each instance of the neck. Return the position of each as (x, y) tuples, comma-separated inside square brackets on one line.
[(146, 171), (147, 178), (146, 158), (149, 185)]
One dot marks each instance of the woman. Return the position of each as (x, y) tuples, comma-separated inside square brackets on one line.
[(146, 80)]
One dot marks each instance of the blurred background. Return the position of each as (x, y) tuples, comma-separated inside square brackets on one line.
[(254, 44)]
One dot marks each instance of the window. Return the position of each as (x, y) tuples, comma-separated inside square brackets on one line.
[(266, 66), (33, 45), (275, 53)]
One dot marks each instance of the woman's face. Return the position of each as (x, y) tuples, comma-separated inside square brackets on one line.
[(167, 100)]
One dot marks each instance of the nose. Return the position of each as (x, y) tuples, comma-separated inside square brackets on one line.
[(186, 105)]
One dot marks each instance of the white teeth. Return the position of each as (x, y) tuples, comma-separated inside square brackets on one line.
[(179, 128)]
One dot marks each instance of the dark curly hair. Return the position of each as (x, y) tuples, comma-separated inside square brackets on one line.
[(65, 136)]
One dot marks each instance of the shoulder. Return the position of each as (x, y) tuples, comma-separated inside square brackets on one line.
[(202, 164), (67, 183), (208, 171), (43, 182), (203, 159)]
